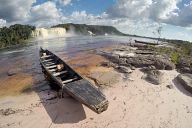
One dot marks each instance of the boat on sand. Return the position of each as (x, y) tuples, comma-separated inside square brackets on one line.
[(71, 82)]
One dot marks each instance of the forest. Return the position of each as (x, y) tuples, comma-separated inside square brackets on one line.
[(15, 34)]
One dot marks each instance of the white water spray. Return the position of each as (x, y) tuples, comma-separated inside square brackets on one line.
[(49, 32)]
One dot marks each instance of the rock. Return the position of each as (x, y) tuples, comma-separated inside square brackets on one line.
[(103, 79), (164, 64), (184, 65), (186, 81), (159, 61), (182, 62), (170, 86), (154, 77), (105, 64), (185, 70), (124, 69), (151, 67), (132, 67), (13, 71), (140, 61), (130, 79)]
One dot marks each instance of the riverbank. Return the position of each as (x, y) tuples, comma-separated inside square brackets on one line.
[(133, 102)]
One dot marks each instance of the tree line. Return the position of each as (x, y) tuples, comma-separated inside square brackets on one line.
[(15, 34)]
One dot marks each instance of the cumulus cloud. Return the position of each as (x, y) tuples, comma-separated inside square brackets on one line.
[(81, 15), (23, 12), (130, 8), (65, 2), (163, 11), (14, 10), (184, 16), (2, 23), (45, 14)]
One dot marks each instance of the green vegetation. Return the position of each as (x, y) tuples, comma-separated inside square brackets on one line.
[(174, 57), (184, 46), (15, 34), (96, 29), (178, 49)]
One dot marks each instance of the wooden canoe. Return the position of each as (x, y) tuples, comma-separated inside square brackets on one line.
[(143, 42), (72, 83)]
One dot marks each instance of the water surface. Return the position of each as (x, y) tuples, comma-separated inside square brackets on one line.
[(26, 58)]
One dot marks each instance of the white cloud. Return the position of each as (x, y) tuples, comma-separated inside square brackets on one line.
[(2, 23), (162, 11), (65, 2), (81, 17), (45, 14), (15, 10), (184, 17), (130, 8)]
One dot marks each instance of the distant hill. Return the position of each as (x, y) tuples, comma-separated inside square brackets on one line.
[(84, 29)]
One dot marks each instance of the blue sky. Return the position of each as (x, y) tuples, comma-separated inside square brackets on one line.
[(140, 17)]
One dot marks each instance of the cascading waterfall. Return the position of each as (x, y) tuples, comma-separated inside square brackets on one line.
[(49, 32)]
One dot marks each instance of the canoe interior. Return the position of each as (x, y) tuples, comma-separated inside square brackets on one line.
[(72, 83)]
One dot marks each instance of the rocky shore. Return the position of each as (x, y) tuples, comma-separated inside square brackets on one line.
[(125, 58)]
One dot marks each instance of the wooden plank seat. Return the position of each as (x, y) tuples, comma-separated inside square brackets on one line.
[(47, 56), (59, 73), (52, 66), (69, 80), (48, 60), (53, 70)]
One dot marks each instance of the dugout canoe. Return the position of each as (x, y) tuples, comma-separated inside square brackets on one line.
[(71, 82)]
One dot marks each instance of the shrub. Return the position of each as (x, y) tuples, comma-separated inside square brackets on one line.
[(174, 57)]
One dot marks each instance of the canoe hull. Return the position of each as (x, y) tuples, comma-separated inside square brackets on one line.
[(79, 88)]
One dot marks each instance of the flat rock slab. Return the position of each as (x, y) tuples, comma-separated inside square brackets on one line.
[(186, 81), (105, 78)]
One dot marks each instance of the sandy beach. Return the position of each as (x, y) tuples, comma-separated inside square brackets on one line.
[(133, 104)]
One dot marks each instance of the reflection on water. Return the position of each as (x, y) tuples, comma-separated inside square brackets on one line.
[(26, 57)]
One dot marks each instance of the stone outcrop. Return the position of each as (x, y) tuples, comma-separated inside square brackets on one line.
[(184, 65), (160, 62)]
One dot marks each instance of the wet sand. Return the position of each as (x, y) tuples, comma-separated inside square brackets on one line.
[(132, 104), (14, 85)]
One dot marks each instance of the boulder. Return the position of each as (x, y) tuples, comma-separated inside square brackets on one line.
[(186, 81), (164, 64), (182, 62), (153, 76), (140, 61), (185, 69), (124, 69)]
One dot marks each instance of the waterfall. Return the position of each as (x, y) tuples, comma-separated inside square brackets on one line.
[(48, 32)]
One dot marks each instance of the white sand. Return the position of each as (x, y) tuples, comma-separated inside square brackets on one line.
[(133, 104)]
